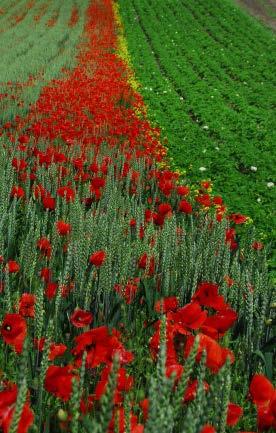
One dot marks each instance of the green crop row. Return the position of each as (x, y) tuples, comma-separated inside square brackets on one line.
[(33, 48), (208, 72), (10, 9)]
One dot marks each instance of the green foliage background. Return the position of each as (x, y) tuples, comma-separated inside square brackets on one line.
[(208, 72)]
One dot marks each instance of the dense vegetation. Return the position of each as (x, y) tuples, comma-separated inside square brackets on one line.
[(38, 40), (208, 77), (130, 301)]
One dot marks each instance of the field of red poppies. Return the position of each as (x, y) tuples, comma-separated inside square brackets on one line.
[(129, 301)]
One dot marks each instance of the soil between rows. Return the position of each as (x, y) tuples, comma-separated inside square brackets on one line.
[(265, 10)]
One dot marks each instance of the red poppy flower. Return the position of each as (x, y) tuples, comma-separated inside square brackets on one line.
[(158, 219), (164, 209), (67, 193), (215, 354), (190, 316), (49, 202), (230, 235), (39, 343), (101, 346), (190, 393), (50, 290), (124, 383), (217, 200), (14, 331), (12, 267), (144, 405), (238, 218), (81, 318), (176, 370), (273, 404), (19, 164), (257, 245), (94, 167), (63, 228), (265, 419), (46, 274), (17, 191), (143, 263), (60, 157), (207, 295), (58, 381), (97, 258), (132, 222), (204, 200), (86, 404), (207, 428), (128, 291), (23, 139), (8, 397), (221, 321), (56, 350), (166, 304), (261, 390), (185, 207), (206, 184), (182, 190), (78, 163), (44, 245), (171, 331), (141, 232), (148, 215), (119, 414), (26, 305), (234, 413), (97, 183)]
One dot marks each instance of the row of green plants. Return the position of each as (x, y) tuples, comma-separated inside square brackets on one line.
[(92, 260), (36, 50), (210, 88), (130, 301), (11, 9)]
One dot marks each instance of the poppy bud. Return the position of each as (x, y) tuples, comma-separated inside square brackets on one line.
[(62, 415)]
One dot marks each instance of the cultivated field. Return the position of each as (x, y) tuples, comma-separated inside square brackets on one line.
[(208, 75), (133, 297)]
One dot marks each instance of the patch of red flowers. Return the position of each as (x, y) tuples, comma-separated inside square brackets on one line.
[(58, 381), (8, 397), (101, 346), (263, 395), (198, 316), (92, 110)]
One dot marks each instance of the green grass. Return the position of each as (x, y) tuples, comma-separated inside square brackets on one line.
[(208, 72)]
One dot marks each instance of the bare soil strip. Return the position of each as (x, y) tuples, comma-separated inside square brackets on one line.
[(265, 10)]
